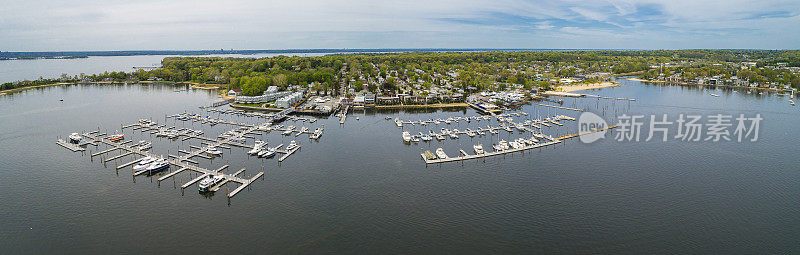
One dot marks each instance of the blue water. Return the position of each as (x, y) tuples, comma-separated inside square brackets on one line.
[(360, 189)]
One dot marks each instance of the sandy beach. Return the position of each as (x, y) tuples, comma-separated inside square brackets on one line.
[(578, 87)]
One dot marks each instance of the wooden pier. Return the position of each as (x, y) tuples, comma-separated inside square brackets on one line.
[(467, 156), (70, 146), (182, 162), (344, 115), (561, 107)]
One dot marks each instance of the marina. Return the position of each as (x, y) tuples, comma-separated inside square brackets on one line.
[(363, 167), (524, 144), (184, 160)]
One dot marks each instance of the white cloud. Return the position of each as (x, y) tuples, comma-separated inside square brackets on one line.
[(203, 24)]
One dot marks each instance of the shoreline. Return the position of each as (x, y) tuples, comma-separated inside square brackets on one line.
[(573, 88), (191, 84), (421, 106), (703, 85)]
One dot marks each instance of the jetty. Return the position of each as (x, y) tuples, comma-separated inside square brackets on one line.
[(184, 163)]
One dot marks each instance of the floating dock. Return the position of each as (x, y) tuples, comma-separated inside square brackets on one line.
[(484, 155)]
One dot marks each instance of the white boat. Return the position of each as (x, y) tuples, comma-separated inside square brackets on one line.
[(292, 145), (478, 148), (143, 163), (213, 150), (415, 139), (453, 135), (161, 132), (406, 136), (117, 137), (715, 95), (398, 122), (76, 138), (440, 153), (791, 102), (257, 147), (470, 133), (157, 166), (439, 137), (425, 137), (503, 144), (266, 153), (317, 133), (209, 181), (288, 132), (144, 145), (172, 134), (497, 147)]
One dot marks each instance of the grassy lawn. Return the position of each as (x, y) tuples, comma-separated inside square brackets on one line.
[(250, 105)]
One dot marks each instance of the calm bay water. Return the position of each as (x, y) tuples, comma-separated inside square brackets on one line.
[(360, 189), (17, 70)]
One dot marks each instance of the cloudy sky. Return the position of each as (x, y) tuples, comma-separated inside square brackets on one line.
[(34, 25)]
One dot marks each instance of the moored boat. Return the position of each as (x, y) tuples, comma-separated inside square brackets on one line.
[(213, 150), (76, 138), (144, 163), (209, 181), (406, 137), (440, 153), (144, 145), (478, 148), (292, 145), (157, 166), (117, 137), (257, 147), (266, 153)]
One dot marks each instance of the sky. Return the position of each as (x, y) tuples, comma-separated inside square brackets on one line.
[(35, 25)]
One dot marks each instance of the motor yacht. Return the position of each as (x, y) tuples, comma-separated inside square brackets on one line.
[(158, 165), (144, 145), (440, 153), (212, 150), (406, 136), (478, 148), (292, 145), (76, 138), (257, 147), (208, 182), (144, 163)]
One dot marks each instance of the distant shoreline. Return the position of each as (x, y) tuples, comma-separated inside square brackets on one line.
[(31, 55), (191, 84), (698, 84), (422, 105), (579, 87)]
